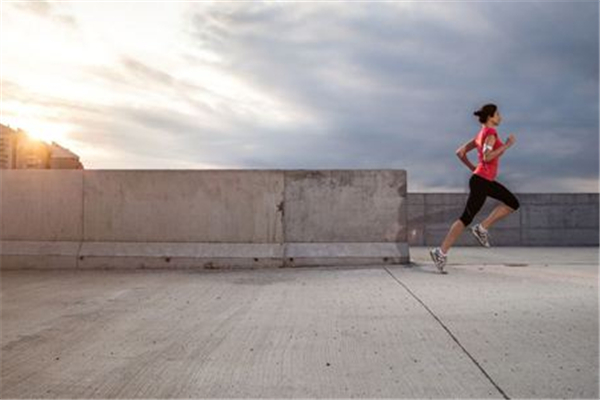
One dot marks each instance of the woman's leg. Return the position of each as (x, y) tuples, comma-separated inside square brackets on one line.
[(455, 231), (509, 200), (498, 213), (478, 189)]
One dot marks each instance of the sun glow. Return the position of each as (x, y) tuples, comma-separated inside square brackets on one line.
[(46, 134), (42, 130), (37, 122)]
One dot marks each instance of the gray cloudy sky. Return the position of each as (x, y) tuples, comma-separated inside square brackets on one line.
[(311, 85)]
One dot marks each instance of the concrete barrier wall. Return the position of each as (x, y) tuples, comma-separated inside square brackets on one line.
[(39, 205), (201, 218), (183, 206), (543, 219), (253, 218)]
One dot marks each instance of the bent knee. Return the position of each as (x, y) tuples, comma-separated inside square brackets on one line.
[(513, 205), (466, 220)]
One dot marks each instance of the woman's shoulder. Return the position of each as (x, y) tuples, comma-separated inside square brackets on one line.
[(488, 130), (483, 133)]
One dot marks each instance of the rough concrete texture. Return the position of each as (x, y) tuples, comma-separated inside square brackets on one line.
[(201, 218), (345, 206), (231, 206), (491, 328), (543, 219), (41, 205)]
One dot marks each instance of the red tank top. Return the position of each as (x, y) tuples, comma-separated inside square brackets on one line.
[(487, 170)]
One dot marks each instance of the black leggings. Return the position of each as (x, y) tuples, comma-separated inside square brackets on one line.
[(480, 189)]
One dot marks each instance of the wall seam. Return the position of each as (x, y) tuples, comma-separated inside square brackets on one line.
[(521, 226), (82, 237), (425, 219), (283, 229)]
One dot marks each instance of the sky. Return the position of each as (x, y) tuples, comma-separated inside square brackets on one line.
[(310, 85)]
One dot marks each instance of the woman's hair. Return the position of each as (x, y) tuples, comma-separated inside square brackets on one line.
[(485, 112)]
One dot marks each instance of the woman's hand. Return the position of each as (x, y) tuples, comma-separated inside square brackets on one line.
[(511, 140)]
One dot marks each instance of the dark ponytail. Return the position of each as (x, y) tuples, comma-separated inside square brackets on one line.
[(485, 112)]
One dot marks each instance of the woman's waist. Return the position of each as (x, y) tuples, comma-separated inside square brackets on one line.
[(487, 165)]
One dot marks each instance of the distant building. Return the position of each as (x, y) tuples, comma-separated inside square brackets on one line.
[(8, 147), (31, 154), (19, 151), (61, 158)]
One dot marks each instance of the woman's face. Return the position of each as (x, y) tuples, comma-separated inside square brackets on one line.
[(496, 118)]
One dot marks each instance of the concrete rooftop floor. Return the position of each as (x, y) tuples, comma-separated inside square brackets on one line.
[(503, 323)]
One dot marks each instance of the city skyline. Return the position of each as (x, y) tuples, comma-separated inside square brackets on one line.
[(309, 85), (21, 150)]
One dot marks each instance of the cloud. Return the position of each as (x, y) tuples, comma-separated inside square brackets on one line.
[(396, 86), (41, 8), (15, 92), (145, 72), (331, 85), (47, 9)]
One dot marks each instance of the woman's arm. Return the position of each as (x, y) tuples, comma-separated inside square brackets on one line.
[(489, 154), (462, 153)]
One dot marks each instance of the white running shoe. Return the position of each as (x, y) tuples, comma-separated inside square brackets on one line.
[(439, 259), (481, 234)]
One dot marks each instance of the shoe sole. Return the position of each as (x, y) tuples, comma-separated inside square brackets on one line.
[(481, 242)]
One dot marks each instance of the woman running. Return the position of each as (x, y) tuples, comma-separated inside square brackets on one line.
[(481, 184)]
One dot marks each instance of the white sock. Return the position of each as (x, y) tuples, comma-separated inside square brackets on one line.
[(482, 228), (442, 251)]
